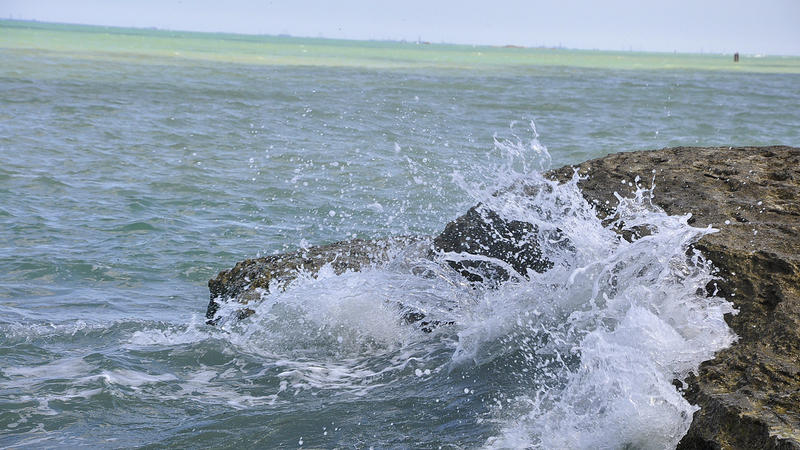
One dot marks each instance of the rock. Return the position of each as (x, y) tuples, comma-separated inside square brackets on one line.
[(749, 394), (483, 232), (251, 278)]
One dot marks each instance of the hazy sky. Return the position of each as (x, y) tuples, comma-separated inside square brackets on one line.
[(748, 26)]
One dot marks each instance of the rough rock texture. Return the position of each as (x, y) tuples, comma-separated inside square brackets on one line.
[(248, 279), (749, 394)]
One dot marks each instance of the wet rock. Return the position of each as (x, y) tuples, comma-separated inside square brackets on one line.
[(509, 245), (248, 280), (749, 394)]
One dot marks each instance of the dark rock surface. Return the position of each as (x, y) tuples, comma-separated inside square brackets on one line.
[(483, 232), (749, 394)]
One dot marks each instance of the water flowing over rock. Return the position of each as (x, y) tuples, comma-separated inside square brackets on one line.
[(749, 393), (248, 280)]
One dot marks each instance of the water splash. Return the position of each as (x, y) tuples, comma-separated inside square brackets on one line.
[(593, 344), (581, 355), (604, 333), (598, 339)]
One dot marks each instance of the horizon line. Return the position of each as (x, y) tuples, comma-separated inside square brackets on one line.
[(389, 40)]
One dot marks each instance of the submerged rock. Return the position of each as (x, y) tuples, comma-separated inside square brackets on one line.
[(749, 394)]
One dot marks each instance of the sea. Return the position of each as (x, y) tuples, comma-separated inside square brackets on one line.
[(137, 164)]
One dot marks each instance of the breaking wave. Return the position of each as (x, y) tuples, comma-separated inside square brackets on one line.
[(584, 354), (588, 350)]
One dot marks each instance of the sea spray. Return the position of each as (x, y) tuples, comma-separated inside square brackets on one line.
[(604, 333), (126, 185), (592, 344), (600, 337)]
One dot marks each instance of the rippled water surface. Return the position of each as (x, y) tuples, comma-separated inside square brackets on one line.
[(136, 165)]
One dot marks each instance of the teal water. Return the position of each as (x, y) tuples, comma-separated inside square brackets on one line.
[(127, 182)]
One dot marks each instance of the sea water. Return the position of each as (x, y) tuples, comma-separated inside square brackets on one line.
[(135, 165)]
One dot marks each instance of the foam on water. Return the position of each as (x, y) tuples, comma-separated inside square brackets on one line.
[(627, 319), (601, 335)]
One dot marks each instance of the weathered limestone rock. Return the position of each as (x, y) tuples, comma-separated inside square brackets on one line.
[(749, 394)]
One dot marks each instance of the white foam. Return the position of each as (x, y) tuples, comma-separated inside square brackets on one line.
[(66, 368), (133, 378), (194, 331), (606, 330)]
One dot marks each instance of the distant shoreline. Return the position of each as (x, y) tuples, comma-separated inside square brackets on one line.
[(232, 35), (155, 46)]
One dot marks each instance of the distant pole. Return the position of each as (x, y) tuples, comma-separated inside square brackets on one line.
[(736, 57)]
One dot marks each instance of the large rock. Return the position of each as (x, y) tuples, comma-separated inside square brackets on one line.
[(749, 394)]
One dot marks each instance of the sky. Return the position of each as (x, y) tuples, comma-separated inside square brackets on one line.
[(697, 26)]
